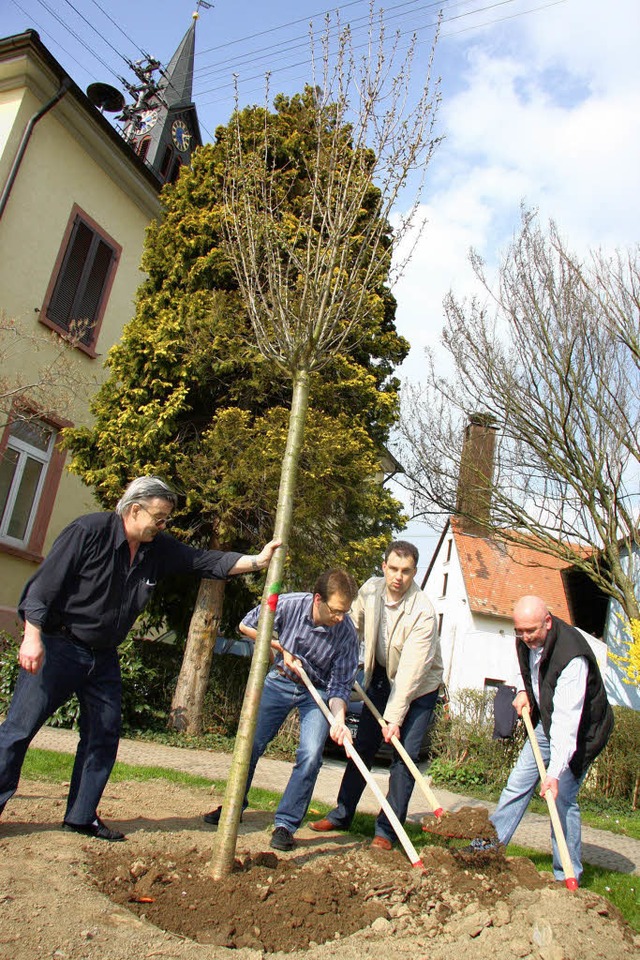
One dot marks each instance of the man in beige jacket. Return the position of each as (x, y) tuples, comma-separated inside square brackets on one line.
[(403, 673)]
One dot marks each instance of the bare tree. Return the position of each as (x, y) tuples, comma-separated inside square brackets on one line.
[(40, 372), (549, 357), (310, 243)]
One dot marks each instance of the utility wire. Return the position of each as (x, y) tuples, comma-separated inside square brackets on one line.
[(43, 30), (400, 34), (118, 27), (77, 37)]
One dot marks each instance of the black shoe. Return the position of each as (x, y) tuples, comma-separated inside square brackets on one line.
[(213, 817), (282, 839), (97, 829)]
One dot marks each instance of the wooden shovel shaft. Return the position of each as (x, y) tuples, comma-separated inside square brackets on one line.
[(351, 752), (563, 850), (417, 776)]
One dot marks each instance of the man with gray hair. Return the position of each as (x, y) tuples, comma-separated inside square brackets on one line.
[(77, 608)]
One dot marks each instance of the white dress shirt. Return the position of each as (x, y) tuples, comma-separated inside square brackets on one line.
[(568, 701)]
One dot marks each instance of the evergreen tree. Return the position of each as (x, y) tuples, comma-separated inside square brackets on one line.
[(190, 397)]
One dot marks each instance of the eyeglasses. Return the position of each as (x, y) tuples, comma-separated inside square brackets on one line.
[(336, 614), (159, 521)]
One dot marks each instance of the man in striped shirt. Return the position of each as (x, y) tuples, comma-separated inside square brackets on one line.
[(562, 686), (314, 630)]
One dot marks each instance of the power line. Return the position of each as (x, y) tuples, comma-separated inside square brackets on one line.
[(43, 30), (118, 27), (399, 13), (228, 84), (76, 36)]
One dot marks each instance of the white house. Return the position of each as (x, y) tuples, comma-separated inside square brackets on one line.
[(615, 634), (473, 582)]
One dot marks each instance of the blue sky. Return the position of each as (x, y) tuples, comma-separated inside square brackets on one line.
[(540, 104)]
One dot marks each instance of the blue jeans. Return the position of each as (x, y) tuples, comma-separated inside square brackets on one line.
[(280, 696), (401, 782), (515, 798), (94, 676)]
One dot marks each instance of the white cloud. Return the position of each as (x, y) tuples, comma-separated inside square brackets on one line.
[(544, 110)]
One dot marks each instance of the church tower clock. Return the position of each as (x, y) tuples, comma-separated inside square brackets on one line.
[(162, 123)]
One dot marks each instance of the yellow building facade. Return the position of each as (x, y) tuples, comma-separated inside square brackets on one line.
[(74, 205)]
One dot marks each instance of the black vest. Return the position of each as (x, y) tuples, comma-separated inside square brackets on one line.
[(562, 644)]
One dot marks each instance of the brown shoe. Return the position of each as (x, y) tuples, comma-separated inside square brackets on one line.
[(322, 826), (381, 843)]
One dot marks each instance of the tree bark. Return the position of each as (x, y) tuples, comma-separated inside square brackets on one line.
[(227, 837), (188, 700)]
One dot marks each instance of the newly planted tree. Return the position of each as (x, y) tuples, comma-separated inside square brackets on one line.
[(190, 397), (308, 233)]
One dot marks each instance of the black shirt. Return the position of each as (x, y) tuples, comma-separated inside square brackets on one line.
[(89, 585)]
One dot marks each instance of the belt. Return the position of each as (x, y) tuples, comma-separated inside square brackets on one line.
[(283, 673), (65, 632), (294, 679)]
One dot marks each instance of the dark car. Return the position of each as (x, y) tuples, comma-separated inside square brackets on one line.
[(385, 750), (236, 646)]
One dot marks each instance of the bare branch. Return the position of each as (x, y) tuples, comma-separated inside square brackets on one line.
[(552, 357)]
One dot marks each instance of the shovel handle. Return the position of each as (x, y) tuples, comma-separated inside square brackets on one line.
[(351, 752), (569, 876), (417, 776)]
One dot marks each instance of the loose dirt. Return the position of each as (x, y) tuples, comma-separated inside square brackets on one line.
[(70, 898), (467, 822)]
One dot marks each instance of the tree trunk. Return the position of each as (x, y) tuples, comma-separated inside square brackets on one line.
[(227, 837), (188, 700)]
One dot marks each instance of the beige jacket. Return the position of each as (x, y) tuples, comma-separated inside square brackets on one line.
[(414, 660)]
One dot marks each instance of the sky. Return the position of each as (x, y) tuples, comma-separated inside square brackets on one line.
[(540, 106)]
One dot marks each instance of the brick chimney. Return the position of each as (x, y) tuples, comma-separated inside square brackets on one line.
[(473, 502)]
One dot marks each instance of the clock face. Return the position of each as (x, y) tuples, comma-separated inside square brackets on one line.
[(145, 121), (180, 135)]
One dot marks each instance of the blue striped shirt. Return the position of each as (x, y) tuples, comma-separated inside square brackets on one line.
[(328, 654)]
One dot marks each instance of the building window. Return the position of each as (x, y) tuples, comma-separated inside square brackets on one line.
[(30, 469), (440, 622), (491, 684), (445, 581), (143, 148), (81, 281), (175, 170), (166, 162), (449, 546)]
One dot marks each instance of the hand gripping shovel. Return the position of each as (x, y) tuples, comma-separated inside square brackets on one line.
[(466, 823), (417, 776), (350, 750), (569, 876)]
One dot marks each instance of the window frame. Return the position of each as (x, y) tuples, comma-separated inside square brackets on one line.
[(43, 502), (79, 215)]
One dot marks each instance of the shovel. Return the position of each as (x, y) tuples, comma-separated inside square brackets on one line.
[(569, 876), (351, 752), (465, 824), (417, 776)]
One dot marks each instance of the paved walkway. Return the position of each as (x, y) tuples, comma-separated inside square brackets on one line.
[(599, 847)]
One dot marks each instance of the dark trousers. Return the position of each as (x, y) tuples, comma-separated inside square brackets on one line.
[(401, 783), (94, 676)]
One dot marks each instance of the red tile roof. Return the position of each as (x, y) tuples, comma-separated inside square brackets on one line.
[(497, 573)]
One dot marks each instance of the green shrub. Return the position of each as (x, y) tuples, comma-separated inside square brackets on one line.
[(615, 774), (223, 702), (149, 673), (465, 755)]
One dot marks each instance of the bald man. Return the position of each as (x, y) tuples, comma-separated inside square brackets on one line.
[(562, 686)]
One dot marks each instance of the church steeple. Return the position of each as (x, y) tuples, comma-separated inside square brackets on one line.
[(162, 124), (177, 83)]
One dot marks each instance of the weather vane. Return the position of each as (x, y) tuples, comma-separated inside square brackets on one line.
[(201, 3)]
